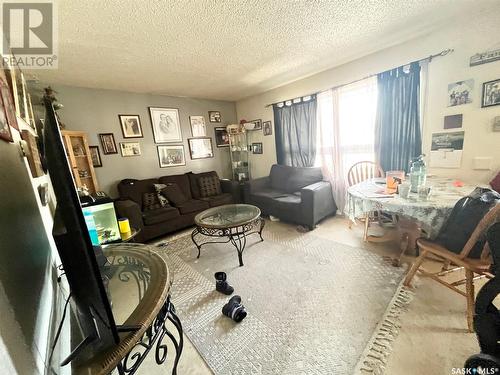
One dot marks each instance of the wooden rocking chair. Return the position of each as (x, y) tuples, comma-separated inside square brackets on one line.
[(472, 266)]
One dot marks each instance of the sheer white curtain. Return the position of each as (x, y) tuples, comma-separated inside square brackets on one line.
[(346, 132)]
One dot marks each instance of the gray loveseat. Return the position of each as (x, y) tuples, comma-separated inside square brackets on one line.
[(297, 195)]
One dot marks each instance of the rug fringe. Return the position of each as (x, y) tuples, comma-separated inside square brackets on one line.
[(379, 347)]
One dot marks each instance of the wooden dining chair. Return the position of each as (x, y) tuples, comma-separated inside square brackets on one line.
[(472, 266), (363, 171), (359, 172)]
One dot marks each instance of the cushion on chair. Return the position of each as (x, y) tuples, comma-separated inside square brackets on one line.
[(209, 186), (150, 202), (291, 179), (193, 180), (160, 215), (182, 180), (133, 189), (192, 206), (219, 200), (269, 193), (174, 194)]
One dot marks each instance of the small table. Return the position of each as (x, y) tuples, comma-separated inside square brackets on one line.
[(140, 312), (234, 221), (130, 236)]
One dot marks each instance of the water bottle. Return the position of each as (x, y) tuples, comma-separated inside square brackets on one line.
[(418, 173)]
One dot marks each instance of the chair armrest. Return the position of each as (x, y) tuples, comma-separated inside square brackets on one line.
[(231, 187), (130, 210), (317, 202), (254, 185)]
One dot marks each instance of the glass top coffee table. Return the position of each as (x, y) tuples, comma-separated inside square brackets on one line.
[(234, 221)]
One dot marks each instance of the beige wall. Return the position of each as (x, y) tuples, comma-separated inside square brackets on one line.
[(466, 37)]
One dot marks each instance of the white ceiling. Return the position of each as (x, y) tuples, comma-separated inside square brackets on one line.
[(230, 49)]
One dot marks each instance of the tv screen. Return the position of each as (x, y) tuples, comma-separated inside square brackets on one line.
[(88, 294)]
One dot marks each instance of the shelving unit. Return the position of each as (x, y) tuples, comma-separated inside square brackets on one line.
[(77, 149), (239, 150)]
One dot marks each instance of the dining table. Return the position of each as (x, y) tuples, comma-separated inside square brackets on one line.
[(412, 217)]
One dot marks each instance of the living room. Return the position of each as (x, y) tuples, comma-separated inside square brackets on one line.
[(260, 166)]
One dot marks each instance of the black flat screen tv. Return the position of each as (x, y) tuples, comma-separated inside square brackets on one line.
[(78, 256)]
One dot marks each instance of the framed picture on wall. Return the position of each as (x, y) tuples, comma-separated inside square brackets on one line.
[(131, 126), (258, 124), (491, 93), (171, 156), (200, 148), (8, 116), (460, 92), (95, 156), (214, 116), (198, 127), (130, 148), (221, 137), (166, 124), (257, 148), (5, 132), (267, 128), (108, 143)]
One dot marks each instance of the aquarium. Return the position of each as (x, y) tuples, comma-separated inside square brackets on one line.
[(101, 223)]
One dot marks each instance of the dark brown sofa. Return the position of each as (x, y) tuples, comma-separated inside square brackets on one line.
[(160, 221), (296, 195)]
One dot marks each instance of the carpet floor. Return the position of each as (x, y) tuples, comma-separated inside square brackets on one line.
[(307, 299)]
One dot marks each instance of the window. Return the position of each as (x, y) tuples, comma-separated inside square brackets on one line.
[(355, 113)]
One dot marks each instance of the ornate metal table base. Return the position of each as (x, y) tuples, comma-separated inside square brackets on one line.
[(153, 337), (236, 235)]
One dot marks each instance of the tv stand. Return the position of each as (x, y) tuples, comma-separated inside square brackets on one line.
[(137, 272)]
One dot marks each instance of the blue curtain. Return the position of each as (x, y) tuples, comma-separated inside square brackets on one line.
[(397, 129), (295, 127)]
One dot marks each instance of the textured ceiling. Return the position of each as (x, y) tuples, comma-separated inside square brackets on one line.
[(229, 49)]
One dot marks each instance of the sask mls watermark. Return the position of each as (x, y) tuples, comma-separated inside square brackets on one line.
[(29, 34)]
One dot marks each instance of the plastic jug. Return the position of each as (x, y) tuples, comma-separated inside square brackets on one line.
[(418, 173)]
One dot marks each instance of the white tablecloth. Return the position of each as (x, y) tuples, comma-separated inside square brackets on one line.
[(368, 196)]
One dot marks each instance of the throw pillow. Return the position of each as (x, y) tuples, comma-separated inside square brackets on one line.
[(209, 186), (173, 193), (150, 202), (163, 200)]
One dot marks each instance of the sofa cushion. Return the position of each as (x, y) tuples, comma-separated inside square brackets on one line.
[(209, 186), (289, 204), (193, 205), (174, 194), (193, 180), (291, 179), (150, 202), (181, 180), (269, 193), (133, 189), (219, 200), (160, 215)]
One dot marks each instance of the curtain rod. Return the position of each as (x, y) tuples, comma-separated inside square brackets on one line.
[(429, 59)]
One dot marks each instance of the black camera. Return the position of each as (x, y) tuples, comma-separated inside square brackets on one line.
[(234, 309)]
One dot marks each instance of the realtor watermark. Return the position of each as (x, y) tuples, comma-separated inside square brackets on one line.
[(29, 34), (475, 371)]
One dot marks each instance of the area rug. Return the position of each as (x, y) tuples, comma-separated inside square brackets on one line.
[(314, 306)]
